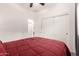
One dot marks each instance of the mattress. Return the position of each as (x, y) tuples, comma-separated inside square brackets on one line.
[(36, 46)]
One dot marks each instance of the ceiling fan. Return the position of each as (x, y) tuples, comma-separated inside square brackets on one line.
[(31, 4)]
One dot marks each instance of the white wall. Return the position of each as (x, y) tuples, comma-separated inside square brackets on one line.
[(13, 22), (56, 21), (78, 18)]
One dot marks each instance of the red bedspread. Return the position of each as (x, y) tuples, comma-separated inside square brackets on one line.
[(36, 46)]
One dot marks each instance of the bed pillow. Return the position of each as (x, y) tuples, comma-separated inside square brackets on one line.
[(2, 50)]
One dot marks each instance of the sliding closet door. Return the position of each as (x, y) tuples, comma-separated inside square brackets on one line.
[(58, 22)]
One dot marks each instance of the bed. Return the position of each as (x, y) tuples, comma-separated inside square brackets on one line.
[(36, 46)]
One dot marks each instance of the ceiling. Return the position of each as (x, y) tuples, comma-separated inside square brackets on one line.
[(26, 6), (36, 6)]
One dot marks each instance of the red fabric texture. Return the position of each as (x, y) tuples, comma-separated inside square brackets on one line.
[(2, 50), (36, 46)]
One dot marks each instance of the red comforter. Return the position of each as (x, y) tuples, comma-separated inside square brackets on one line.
[(36, 46)]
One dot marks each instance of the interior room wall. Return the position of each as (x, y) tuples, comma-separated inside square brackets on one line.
[(58, 22), (78, 17), (78, 29), (13, 22)]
